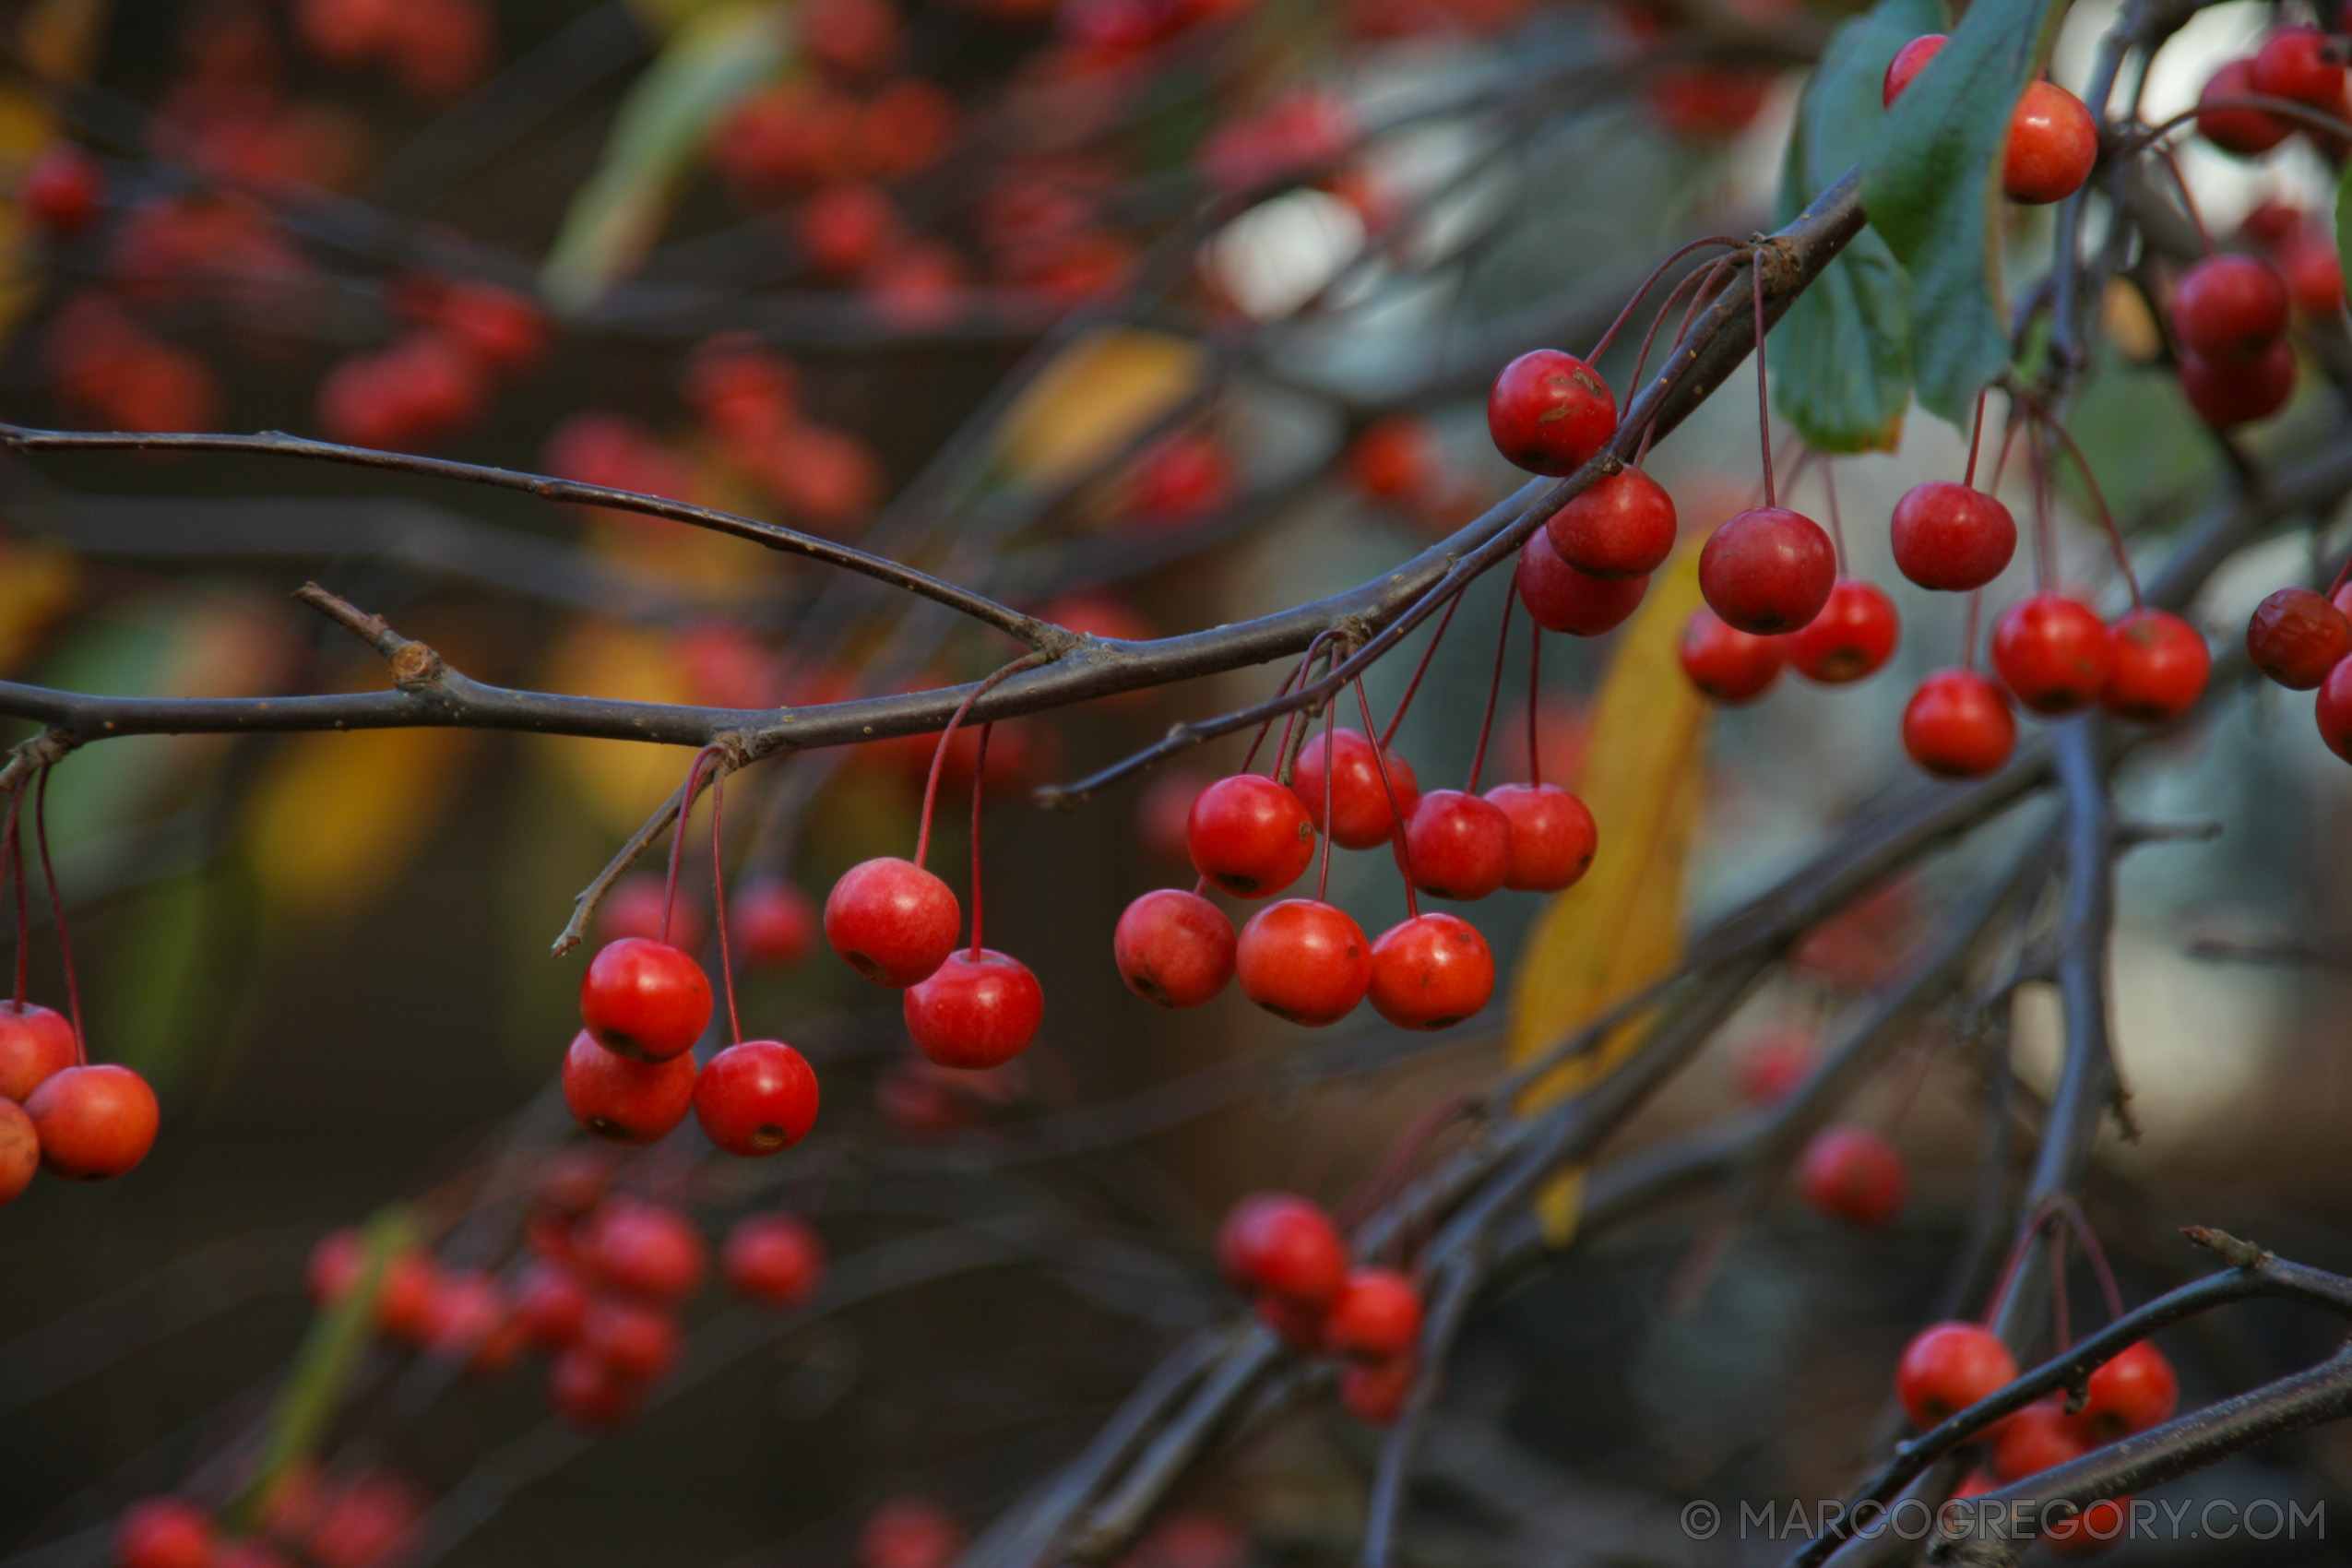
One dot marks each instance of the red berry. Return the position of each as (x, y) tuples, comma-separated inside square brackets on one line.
[(981, 1010), (645, 999), (1458, 845), (1431, 972), (2053, 141), (775, 1259), (1948, 1367), (892, 921), (35, 1043), (1908, 61), (573, 1181), (1776, 1064), (842, 228), (1284, 1245), (622, 1099), (756, 1097), (62, 185), (636, 1342), (2227, 393), (2229, 308), (909, 1532), (1549, 412), (647, 1248), (2131, 1393), (1375, 1392), (404, 1298), (1957, 725), (1360, 815), (1851, 1173), (2099, 1527), (2245, 132), (1174, 948), (634, 908), (1950, 536), (1725, 664), (2298, 63), (163, 1532), (2037, 1438), (19, 1150), (1852, 636), (551, 1306), (1768, 569), (2053, 652), (775, 923), (2334, 710), (1563, 598), (1396, 458), (1304, 960), (1552, 837), (586, 1394), (94, 1122), (2159, 669), (2297, 636), (1620, 526), (2315, 273), (1249, 836), (467, 1320), (1375, 1317)]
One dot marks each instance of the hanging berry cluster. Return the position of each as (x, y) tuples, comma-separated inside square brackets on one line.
[(1283, 1251)]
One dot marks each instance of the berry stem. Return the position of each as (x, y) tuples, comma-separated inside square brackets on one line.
[(1493, 691), (1420, 669), (2188, 198), (2098, 499), (719, 902), (1259, 739), (2045, 531), (2007, 1280), (1396, 813), (1647, 284), (2000, 460), (2060, 1331), (939, 753), (1763, 402), (1322, 872), (980, 776), (57, 912), (2342, 573), (1300, 723), (678, 835), (1837, 523), (12, 858), (1976, 439), (1535, 690), (2081, 1224)]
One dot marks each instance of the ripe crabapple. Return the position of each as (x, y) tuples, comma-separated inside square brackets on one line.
[(2131, 1393), (1552, 837), (647, 1248), (2052, 653), (163, 1532), (1774, 1065), (2248, 132), (2296, 636), (62, 185), (1952, 537), (774, 922), (2229, 308), (1375, 1392), (892, 921), (404, 1295), (1375, 1317), (1767, 570), (1284, 1245), (550, 1305), (645, 999), (1948, 1367), (755, 1098), (1852, 636), (1725, 664), (635, 907), (1458, 845), (2099, 1527), (1395, 459), (1431, 972), (470, 1321), (35, 1043), (2332, 711), (1621, 525), (1360, 814), (622, 1099), (2053, 141), (774, 1259), (2037, 1438), (1563, 598), (2298, 63), (1174, 948), (1853, 1174), (1908, 61), (1298, 1327), (2159, 669), (980, 1009), (585, 1393), (93, 1122), (1304, 960), (2227, 393), (1957, 725), (637, 1341), (909, 1532), (1249, 836), (19, 1150), (1549, 412)]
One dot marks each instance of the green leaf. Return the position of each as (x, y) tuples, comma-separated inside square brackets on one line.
[(713, 62), (1842, 356), (2343, 221), (1930, 183)]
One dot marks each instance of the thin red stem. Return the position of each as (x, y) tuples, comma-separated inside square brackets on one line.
[(2341, 574), (1288, 682), (1647, 284), (2001, 460), (1419, 671), (1322, 872), (2060, 1332), (57, 912), (678, 833), (1975, 438), (718, 904), (2009, 1267), (2081, 1224), (1395, 808), (12, 856), (1763, 402), (2098, 499), (939, 753), (1493, 691), (2045, 533), (979, 772), (1837, 523), (1535, 692)]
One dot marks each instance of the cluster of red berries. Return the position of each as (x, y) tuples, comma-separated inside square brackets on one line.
[(439, 376), (898, 924), (748, 399), (1950, 1366), (1283, 1251), (2300, 639), (366, 1520), (59, 1113), (1307, 960), (2229, 315), (1400, 460), (433, 49), (2298, 65), (770, 921), (2053, 141), (2302, 246)]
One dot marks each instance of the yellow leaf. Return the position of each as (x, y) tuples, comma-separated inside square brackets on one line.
[(337, 816), (620, 782), (1107, 387), (39, 581), (1620, 927)]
